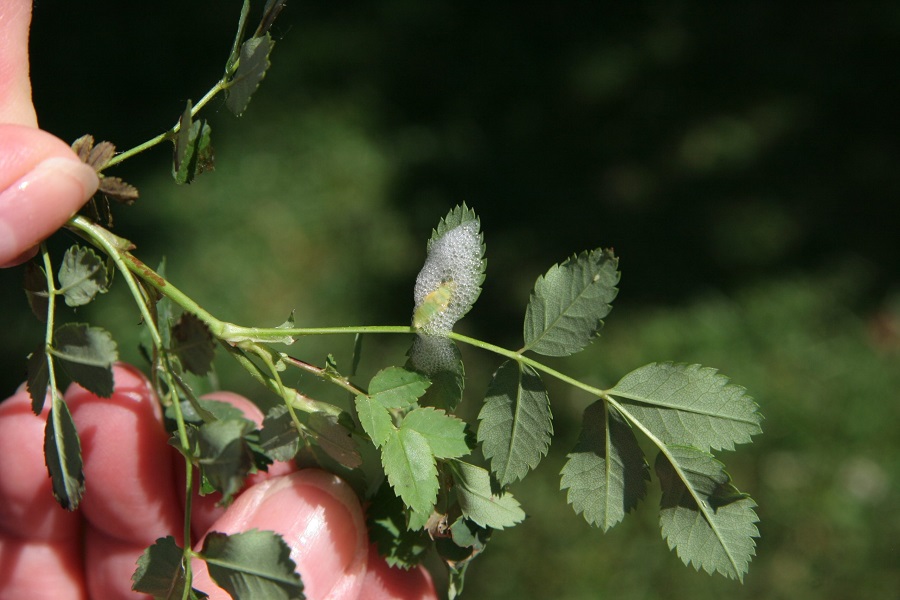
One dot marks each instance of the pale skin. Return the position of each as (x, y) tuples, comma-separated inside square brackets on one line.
[(133, 476)]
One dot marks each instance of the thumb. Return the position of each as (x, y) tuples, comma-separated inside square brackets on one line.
[(15, 87), (319, 517)]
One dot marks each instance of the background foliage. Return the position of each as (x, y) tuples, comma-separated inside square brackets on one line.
[(741, 160)]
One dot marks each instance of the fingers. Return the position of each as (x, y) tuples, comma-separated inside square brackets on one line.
[(15, 87), (383, 582), (129, 491), (40, 570), (42, 185), (321, 520)]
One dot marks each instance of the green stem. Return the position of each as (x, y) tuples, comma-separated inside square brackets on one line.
[(171, 133), (48, 334)]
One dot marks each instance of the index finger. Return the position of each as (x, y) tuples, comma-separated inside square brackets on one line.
[(15, 86)]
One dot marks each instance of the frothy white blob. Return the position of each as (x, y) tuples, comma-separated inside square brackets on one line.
[(433, 354), (453, 257)]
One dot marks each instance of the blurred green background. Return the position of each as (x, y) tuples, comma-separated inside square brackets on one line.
[(741, 159)]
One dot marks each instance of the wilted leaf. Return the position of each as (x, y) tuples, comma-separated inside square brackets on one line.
[(101, 154), (118, 190)]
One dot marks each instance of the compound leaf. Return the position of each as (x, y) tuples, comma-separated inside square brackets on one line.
[(708, 522), (87, 354), (254, 62), (193, 149), (375, 419), (160, 571), (566, 309), (606, 474), (193, 343), (82, 276), (515, 422), (396, 387), (689, 405), (253, 564), (477, 500), (62, 452), (446, 435), (410, 468), (279, 438)]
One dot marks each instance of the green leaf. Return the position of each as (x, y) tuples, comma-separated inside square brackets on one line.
[(396, 387), (36, 290), (87, 355), (606, 474), (193, 150), (566, 309), (477, 500), (446, 435), (254, 63), (253, 564), (225, 458), (160, 571), (62, 452), (375, 419), (279, 438), (411, 470), (515, 422), (386, 520), (439, 359), (270, 13), (38, 378), (334, 439), (689, 405), (458, 215), (193, 343), (702, 516), (82, 276)]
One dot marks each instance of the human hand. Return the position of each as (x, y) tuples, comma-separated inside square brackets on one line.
[(131, 499), (42, 182)]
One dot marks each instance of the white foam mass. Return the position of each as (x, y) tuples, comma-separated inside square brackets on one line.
[(456, 257), (433, 354)]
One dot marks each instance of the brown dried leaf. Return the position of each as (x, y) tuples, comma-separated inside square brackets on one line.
[(101, 154), (118, 190), (82, 147)]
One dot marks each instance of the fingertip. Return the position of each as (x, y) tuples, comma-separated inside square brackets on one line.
[(383, 582)]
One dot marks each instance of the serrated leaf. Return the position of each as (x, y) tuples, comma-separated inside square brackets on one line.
[(411, 470), (438, 358), (62, 453), (193, 343), (252, 564), (396, 387), (82, 276), (334, 439), (689, 405), (254, 62), (446, 435), (225, 458), (515, 422), (100, 154), (38, 378), (458, 215), (606, 474), (702, 516), (279, 437), (83, 146), (87, 355), (477, 500), (118, 190), (270, 13), (386, 520), (160, 571), (375, 419), (36, 290), (566, 309), (193, 153)]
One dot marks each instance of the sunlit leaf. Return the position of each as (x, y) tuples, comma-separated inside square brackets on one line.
[(446, 435), (606, 474), (566, 309), (160, 571), (87, 355), (689, 405), (396, 387), (702, 516), (62, 452), (253, 564), (410, 468), (479, 503), (82, 276), (225, 458), (375, 419), (515, 422)]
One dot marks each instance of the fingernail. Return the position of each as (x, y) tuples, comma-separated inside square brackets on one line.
[(40, 202)]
